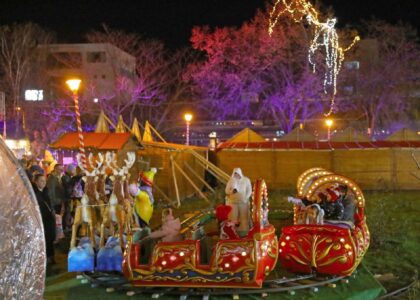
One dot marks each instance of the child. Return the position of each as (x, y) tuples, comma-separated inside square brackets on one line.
[(169, 231), (227, 227)]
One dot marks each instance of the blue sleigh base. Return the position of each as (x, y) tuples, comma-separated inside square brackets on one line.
[(81, 258), (110, 256)]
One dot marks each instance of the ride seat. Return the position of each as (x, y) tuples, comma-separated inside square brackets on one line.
[(350, 204)]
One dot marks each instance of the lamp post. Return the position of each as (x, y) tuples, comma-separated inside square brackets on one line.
[(73, 85), (187, 117), (329, 123)]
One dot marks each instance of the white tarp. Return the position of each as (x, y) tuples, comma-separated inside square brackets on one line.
[(22, 245)]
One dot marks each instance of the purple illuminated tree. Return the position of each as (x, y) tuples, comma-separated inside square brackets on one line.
[(155, 91), (249, 74), (158, 88), (388, 56)]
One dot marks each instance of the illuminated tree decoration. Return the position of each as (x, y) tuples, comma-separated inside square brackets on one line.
[(325, 36)]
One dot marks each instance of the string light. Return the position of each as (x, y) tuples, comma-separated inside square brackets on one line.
[(325, 37)]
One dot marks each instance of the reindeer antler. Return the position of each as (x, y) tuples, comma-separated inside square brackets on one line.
[(99, 163), (95, 165), (90, 159), (111, 162), (79, 162), (130, 161), (108, 162)]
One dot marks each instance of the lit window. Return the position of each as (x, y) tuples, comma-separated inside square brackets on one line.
[(352, 65), (34, 95)]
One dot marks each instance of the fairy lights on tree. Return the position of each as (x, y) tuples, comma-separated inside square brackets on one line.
[(325, 37)]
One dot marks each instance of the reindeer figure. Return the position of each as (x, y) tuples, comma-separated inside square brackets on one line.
[(118, 207), (101, 188), (86, 212), (128, 200), (122, 176)]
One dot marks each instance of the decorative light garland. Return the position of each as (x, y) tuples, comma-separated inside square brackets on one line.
[(325, 36)]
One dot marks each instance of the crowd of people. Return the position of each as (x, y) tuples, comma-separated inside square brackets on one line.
[(57, 188), (55, 192)]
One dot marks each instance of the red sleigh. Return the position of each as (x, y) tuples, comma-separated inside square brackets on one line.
[(233, 263), (335, 248)]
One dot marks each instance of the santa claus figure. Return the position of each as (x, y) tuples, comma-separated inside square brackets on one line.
[(227, 227), (238, 190)]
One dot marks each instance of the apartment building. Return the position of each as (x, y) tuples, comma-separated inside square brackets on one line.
[(97, 65)]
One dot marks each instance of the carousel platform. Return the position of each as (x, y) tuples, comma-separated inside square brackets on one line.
[(61, 285)]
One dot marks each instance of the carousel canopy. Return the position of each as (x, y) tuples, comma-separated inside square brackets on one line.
[(99, 141)]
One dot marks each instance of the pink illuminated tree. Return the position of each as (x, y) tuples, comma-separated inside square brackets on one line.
[(248, 74)]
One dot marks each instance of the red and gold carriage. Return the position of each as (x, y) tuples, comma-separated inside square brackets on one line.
[(241, 262), (335, 247)]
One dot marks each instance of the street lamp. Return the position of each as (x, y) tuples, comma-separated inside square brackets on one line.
[(329, 123), (187, 117), (74, 85)]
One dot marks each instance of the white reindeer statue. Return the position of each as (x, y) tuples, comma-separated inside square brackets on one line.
[(119, 208), (86, 212)]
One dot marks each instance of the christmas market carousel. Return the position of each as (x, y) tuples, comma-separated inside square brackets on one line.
[(238, 262)]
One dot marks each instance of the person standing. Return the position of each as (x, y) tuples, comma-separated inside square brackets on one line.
[(55, 188), (57, 196), (238, 190), (47, 214), (68, 185)]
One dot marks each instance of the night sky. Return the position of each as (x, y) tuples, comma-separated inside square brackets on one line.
[(171, 20)]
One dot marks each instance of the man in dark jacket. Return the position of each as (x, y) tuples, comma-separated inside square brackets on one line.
[(68, 185), (55, 189), (47, 214)]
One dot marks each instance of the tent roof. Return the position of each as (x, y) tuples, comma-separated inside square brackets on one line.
[(147, 134), (100, 141), (315, 145), (349, 135), (404, 134), (120, 125), (135, 129), (246, 135), (298, 135), (102, 125)]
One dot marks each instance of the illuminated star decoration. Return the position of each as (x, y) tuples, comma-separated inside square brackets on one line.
[(325, 36)]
